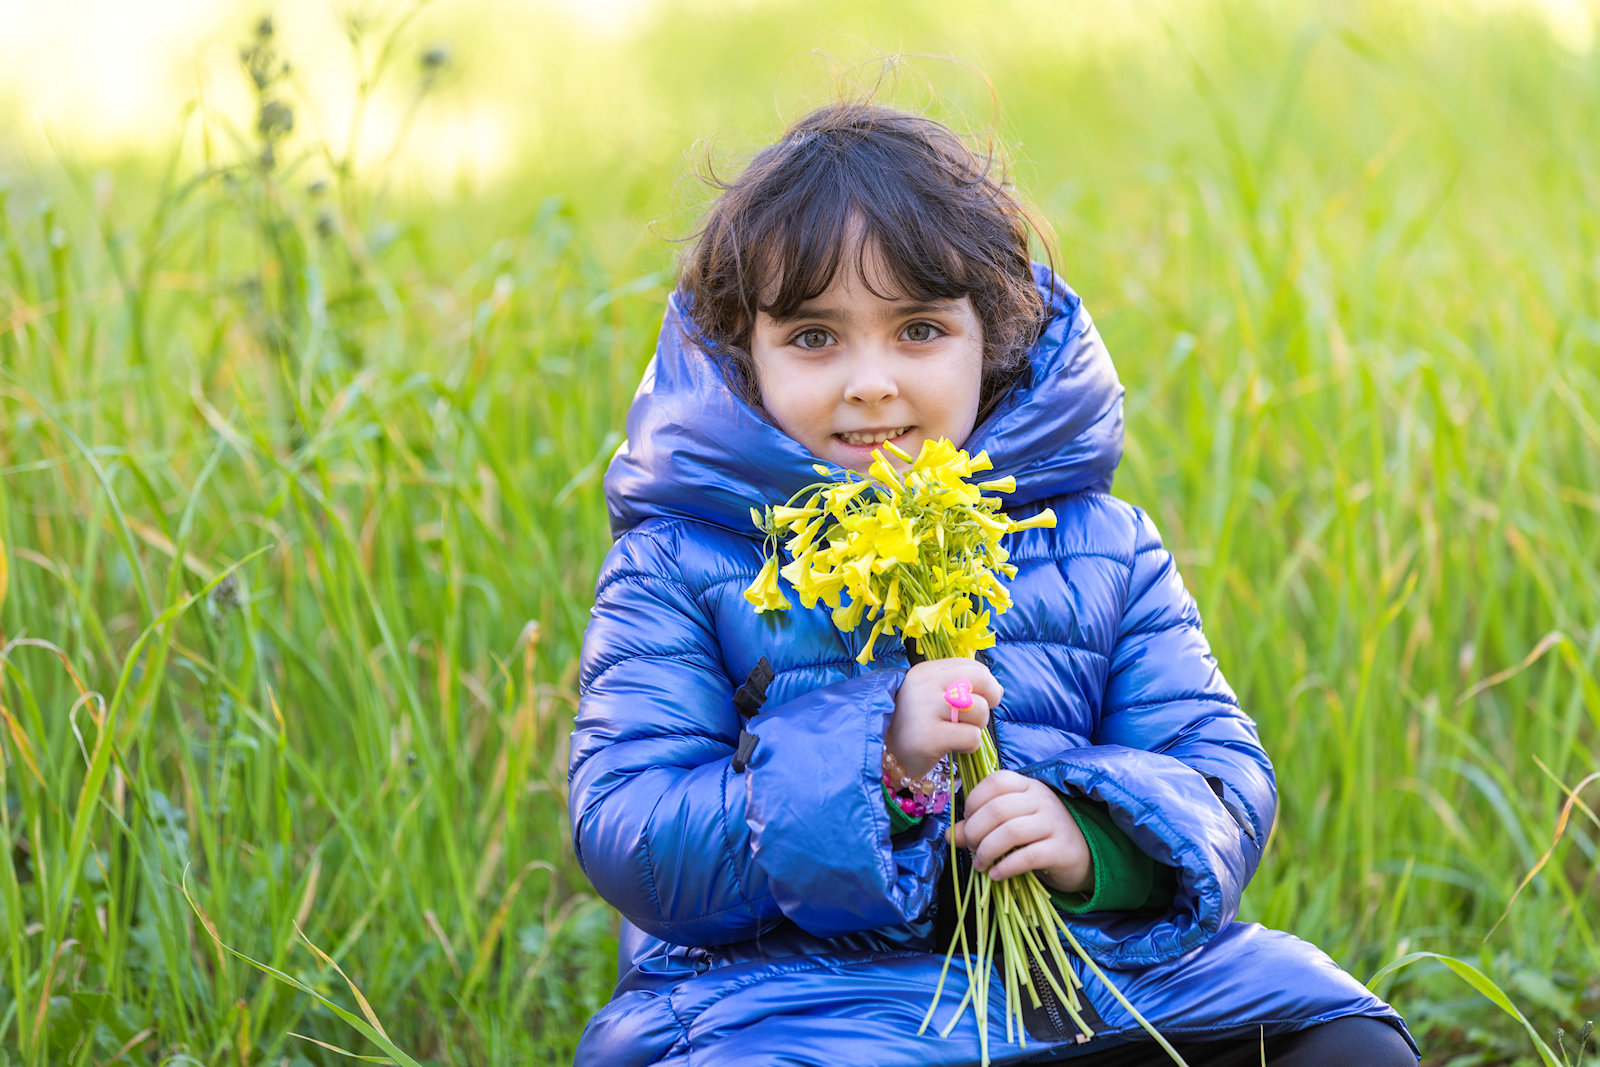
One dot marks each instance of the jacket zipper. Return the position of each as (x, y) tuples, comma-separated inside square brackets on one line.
[(1049, 1001)]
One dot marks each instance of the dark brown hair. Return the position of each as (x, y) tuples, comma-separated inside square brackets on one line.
[(944, 220)]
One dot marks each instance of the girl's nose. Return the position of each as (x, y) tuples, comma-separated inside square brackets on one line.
[(871, 382)]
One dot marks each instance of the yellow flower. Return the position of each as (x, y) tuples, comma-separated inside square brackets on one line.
[(884, 472), (831, 591), (947, 462), (1045, 519), (764, 592), (995, 527), (797, 571), (929, 618), (857, 546), (804, 537), (787, 516), (879, 628), (814, 583), (996, 594), (976, 635), (896, 536), (858, 577), (847, 617), (959, 495), (941, 457), (841, 494)]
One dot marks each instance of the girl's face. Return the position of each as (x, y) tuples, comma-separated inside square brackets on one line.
[(850, 369)]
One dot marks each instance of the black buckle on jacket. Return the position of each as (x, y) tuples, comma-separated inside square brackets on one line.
[(746, 749), (753, 693), (747, 700)]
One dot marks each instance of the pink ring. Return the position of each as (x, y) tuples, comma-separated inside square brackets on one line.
[(958, 694)]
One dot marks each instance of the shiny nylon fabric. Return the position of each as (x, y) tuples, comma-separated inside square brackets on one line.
[(768, 916)]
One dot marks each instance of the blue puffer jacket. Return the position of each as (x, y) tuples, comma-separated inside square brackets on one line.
[(768, 916)]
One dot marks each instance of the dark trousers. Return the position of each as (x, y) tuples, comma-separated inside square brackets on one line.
[(1355, 1041)]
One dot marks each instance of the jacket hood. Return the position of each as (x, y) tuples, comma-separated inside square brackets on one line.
[(696, 450)]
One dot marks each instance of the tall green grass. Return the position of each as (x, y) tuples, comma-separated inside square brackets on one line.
[(300, 508)]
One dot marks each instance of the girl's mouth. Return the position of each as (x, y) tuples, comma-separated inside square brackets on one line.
[(871, 438)]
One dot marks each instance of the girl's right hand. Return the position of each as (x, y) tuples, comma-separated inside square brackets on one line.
[(920, 733)]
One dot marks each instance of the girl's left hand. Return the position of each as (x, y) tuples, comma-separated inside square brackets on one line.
[(1015, 823)]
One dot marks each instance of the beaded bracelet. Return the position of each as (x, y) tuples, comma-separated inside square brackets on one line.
[(917, 797)]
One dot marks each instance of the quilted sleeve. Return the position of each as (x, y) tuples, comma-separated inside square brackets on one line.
[(690, 850), (1177, 763)]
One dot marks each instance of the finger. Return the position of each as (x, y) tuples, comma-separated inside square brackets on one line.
[(960, 738), (966, 734), (985, 684), (997, 783), (1001, 810), (975, 714), (1033, 857), (1009, 835), (980, 677)]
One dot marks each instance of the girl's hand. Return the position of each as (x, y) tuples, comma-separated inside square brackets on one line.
[(1014, 823), (920, 733)]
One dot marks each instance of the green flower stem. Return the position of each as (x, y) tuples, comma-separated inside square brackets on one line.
[(1021, 912), (935, 603)]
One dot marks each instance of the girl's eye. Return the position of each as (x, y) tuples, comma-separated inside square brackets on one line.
[(813, 338), (921, 331)]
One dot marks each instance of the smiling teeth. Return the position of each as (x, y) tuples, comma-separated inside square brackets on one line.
[(872, 438)]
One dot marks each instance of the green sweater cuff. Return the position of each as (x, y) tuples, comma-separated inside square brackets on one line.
[(1125, 879), (898, 820)]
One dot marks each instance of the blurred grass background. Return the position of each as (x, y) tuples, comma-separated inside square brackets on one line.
[(300, 473)]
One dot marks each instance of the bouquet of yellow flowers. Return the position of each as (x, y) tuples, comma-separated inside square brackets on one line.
[(919, 555)]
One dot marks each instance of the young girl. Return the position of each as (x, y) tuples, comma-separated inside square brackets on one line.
[(867, 279)]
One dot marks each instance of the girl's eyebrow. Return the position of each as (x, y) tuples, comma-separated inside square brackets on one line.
[(927, 307), (832, 314), (807, 311)]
